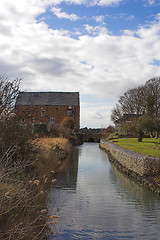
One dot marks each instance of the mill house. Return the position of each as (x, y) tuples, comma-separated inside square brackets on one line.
[(48, 108)]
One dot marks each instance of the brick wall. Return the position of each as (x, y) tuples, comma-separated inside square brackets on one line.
[(48, 114)]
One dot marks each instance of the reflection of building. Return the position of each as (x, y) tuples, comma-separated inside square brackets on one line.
[(68, 177), (48, 107)]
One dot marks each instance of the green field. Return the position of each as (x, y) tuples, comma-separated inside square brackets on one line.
[(148, 146)]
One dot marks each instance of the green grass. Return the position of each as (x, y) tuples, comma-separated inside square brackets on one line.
[(148, 146)]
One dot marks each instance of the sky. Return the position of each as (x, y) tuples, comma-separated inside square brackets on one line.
[(99, 48)]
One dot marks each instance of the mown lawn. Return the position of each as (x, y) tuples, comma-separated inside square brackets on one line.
[(148, 146)]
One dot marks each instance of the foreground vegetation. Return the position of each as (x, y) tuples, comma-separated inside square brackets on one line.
[(149, 146), (27, 168), (23, 193)]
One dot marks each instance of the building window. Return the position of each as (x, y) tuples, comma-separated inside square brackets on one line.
[(28, 113), (52, 120), (23, 120), (69, 113), (32, 120), (42, 113)]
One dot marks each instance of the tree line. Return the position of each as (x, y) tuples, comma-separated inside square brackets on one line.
[(138, 109)]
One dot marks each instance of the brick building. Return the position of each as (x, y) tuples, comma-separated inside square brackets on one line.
[(48, 108)]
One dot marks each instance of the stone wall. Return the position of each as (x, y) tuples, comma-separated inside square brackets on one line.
[(91, 137), (131, 161)]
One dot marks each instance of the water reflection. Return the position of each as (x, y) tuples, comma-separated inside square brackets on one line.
[(68, 178), (133, 188), (141, 198), (96, 201)]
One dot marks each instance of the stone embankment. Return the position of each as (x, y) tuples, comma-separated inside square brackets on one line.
[(142, 168)]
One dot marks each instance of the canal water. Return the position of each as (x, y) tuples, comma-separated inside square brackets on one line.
[(94, 200)]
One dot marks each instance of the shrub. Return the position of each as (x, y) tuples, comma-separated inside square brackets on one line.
[(15, 146)]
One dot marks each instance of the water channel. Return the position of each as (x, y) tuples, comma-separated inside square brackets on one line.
[(94, 200)]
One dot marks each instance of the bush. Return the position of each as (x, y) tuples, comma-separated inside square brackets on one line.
[(20, 212), (20, 202), (15, 146), (21, 198)]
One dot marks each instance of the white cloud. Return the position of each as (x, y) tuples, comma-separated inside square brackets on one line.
[(130, 18), (21, 11), (99, 18), (96, 114), (89, 2), (157, 17), (60, 14), (95, 30), (151, 2), (108, 2), (49, 59)]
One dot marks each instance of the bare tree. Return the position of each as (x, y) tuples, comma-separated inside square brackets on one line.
[(8, 94), (117, 113), (153, 102), (132, 102), (13, 137), (141, 101), (153, 98)]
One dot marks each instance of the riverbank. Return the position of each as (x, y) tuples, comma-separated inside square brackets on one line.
[(148, 146), (145, 169), (23, 195)]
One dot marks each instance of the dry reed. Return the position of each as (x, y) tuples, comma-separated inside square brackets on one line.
[(23, 213)]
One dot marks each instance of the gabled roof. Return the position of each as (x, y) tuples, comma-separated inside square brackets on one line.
[(48, 98), (127, 117)]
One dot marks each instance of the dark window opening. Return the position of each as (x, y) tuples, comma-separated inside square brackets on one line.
[(69, 113), (91, 140), (22, 120), (42, 113), (32, 120), (52, 120)]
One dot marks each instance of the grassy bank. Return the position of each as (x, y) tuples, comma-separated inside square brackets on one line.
[(23, 213), (53, 152), (149, 146)]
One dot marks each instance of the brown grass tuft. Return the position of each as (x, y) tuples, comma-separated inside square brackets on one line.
[(23, 213)]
